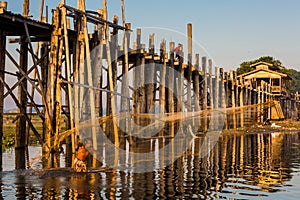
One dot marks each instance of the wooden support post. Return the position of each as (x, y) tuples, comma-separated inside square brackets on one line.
[(26, 8), (2, 76), (233, 105), (149, 76), (51, 92), (110, 82), (259, 104), (180, 82), (210, 85), (98, 65), (162, 88), (223, 95), (139, 80), (171, 91), (125, 102), (217, 88), (20, 144), (241, 97), (204, 85), (263, 92), (189, 69), (69, 97), (196, 86)]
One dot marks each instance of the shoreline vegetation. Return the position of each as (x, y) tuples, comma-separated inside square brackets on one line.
[(9, 129), (288, 125)]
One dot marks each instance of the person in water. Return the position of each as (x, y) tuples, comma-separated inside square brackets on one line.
[(81, 155)]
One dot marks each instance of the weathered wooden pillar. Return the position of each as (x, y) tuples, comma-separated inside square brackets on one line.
[(180, 81), (137, 76), (233, 105), (171, 88), (140, 96), (196, 86), (2, 77), (259, 93), (241, 96), (149, 78), (217, 88), (170, 75), (226, 99), (210, 85), (125, 102), (210, 94), (189, 69), (51, 92), (223, 94), (26, 8), (162, 88), (114, 58), (204, 86), (20, 144), (69, 97)]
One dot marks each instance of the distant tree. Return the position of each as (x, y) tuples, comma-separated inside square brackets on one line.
[(293, 85), (245, 66)]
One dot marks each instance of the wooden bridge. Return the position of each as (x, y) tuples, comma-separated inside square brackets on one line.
[(91, 76)]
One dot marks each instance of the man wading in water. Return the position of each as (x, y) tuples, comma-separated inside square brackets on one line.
[(79, 162)]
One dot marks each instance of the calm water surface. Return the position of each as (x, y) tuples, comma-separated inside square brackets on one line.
[(253, 166)]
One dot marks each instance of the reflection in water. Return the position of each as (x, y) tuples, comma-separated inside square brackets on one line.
[(239, 166)]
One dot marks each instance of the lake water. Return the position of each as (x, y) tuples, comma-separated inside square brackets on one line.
[(251, 166)]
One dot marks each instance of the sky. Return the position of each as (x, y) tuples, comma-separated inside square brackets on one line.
[(228, 32)]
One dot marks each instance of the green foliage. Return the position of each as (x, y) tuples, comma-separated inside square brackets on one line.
[(293, 85), (8, 140), (245, 66)]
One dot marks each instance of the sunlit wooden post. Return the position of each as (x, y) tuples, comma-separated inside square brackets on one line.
[(171, 91), (189, 69), (232, 79), (241, 98), (223, 95), (149, 78), (26, 8), (196, 86), (162, 88)]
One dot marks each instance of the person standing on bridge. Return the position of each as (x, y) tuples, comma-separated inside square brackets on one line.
[(177, 51)]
